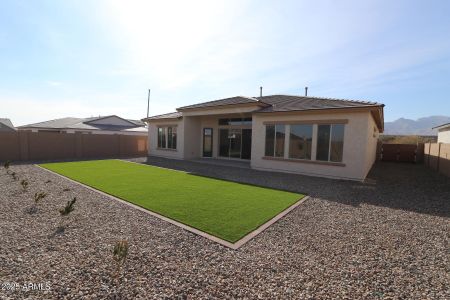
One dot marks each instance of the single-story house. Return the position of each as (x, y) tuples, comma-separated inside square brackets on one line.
[(307, 135), (443, 133), (96, 125), (6, 125)]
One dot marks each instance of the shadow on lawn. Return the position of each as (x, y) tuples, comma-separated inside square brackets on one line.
[(395, 185)]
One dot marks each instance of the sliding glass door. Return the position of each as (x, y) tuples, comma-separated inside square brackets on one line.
[(246, 143), (235, 137), (235, 143), (224, 143)]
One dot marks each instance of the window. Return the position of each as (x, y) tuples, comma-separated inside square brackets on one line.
[(172, 137), (337, 143), (300, 141), (169, 135), (270, 140), (161, 137), (330, 142), (275, 135), (236, 121)]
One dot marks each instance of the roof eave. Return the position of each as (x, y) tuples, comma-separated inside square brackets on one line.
[(325, 108), (150, 119), (442, 126)]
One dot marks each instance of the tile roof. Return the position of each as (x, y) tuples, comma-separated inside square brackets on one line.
[(82, 123), (172, 115), (442, 126), (221, 102), (276, 103), (7, 123), (281, 103)]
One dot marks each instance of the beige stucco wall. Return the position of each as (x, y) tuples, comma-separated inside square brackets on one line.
[(372, 140), (357, 155), (444, 136), (210, 122), (360, 142), (192, 137), (153, 139)]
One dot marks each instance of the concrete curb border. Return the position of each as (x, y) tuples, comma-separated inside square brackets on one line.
[(225, 243)]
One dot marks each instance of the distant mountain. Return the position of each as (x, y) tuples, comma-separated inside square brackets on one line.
[(420, 126)]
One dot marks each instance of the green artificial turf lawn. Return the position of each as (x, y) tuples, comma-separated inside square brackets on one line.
[(224, 209)]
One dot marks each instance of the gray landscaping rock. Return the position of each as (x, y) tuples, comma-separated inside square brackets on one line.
[(386, 239)]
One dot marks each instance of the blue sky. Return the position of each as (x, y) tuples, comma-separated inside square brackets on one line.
[(89, 58)]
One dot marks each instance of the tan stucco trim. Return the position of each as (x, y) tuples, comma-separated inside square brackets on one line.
[(319, 110), (304, 161), (293, 122), (165, 125), (166, 149)]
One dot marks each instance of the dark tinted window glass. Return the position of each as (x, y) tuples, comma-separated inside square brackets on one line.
[(161, 137), (337, 143), (223, 121), (323, 142), (279, 143), (270, 140), (207, 142), (169, 137), (236, 121), (235, 136), (224, 143), (300, 141)]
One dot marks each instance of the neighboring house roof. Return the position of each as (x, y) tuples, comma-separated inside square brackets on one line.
[(222, 102), (282, 103), (136, 129), (173, 115), (443, 126), (85, 124), (97, 120), (7, 123)]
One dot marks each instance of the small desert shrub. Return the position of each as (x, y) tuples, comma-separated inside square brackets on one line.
[(14, 176), (65, 212), (68, 208), (6, 165), (120, 253), (37, 198), (24, 184)]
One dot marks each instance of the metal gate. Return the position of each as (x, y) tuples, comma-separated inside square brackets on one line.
[(402, 152)]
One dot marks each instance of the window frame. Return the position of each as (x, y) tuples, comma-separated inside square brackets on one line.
[(163, 139), (312, 142), (274, 152), (330, 138)]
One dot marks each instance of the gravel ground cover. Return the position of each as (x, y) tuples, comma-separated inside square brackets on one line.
[(213, 206), (387, 238)]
